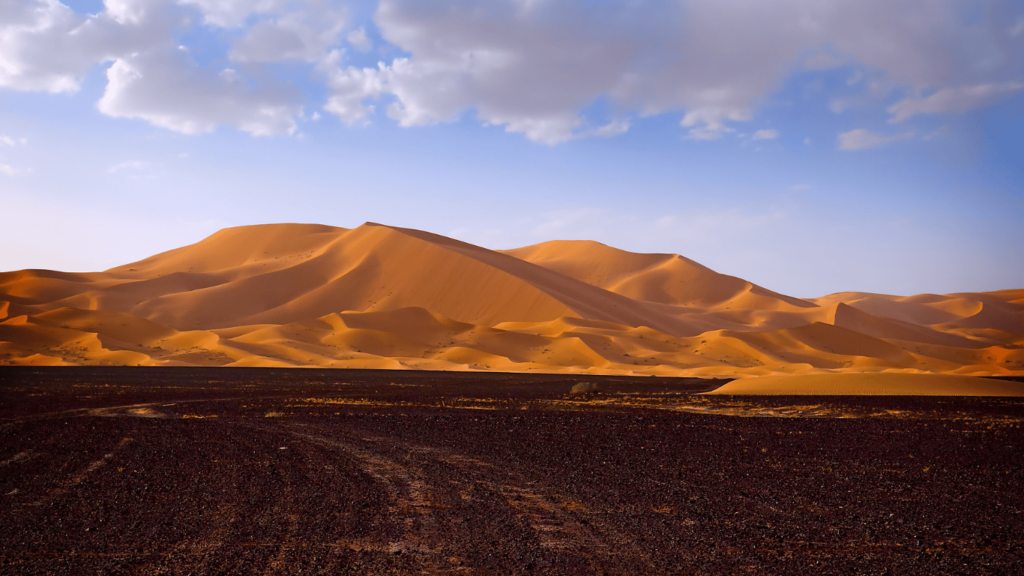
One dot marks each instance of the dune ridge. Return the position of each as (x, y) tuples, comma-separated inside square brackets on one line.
[(379, 296)]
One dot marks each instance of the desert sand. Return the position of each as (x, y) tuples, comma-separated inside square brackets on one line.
[(391, 298), (872, 384)]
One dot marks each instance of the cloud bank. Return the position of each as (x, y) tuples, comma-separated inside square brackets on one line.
[(551, 71)]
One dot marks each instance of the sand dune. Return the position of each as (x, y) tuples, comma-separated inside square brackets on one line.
[(661, 278), (276, 274), (385, 297), (851, 318), (880, 384)]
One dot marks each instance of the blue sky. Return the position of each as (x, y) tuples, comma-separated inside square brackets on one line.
[(808, 147)]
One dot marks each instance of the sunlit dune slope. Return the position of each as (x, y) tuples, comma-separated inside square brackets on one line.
[(277, 273), (385, 297), (879, 384), (661, 278), (331, 270)]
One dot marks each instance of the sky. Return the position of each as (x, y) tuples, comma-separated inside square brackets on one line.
[(810, 147)]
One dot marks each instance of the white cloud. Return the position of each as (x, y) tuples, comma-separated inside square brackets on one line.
[(8, 170), (861, 139), (233, 13), (169, 90), (8, 141), (45, 46), (357, 38), (709, 123), (521, 67), (765, 135), (954, 100), (294, 36), (534, 67), (33, 47), (800, 187), (132, 11), (611, 129), (350, 87)]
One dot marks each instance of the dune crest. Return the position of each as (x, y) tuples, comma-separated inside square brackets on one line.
[(379, 296)]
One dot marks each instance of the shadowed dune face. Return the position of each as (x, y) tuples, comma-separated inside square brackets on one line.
[(386, 297)]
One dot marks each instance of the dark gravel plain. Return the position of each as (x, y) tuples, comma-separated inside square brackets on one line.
[(262, 471)]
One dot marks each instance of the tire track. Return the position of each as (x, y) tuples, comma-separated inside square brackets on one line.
[(560, 524), (411, 498), (80, 477), (196, 555), (277, 563)]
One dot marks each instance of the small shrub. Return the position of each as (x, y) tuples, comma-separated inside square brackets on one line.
[(585, 388)]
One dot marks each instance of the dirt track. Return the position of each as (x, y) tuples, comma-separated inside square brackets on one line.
[(213, 471)]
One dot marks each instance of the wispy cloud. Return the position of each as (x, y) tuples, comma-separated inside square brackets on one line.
[(358, 39), (765, 135), (861, 139), (954, 100), (1018, 28), (940, 132), (133, 165)]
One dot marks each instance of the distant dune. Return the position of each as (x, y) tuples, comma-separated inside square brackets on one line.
[(872, 384), (385, 297)]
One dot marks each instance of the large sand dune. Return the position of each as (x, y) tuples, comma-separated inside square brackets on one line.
[(385, 297)]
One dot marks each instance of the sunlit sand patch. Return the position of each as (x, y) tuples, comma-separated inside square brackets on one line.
[(146, 413), (454, 402), (676, 402), (137, 411), (745, 408), (871, 384)]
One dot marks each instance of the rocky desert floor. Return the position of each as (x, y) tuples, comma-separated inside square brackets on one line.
[(304, 471)]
